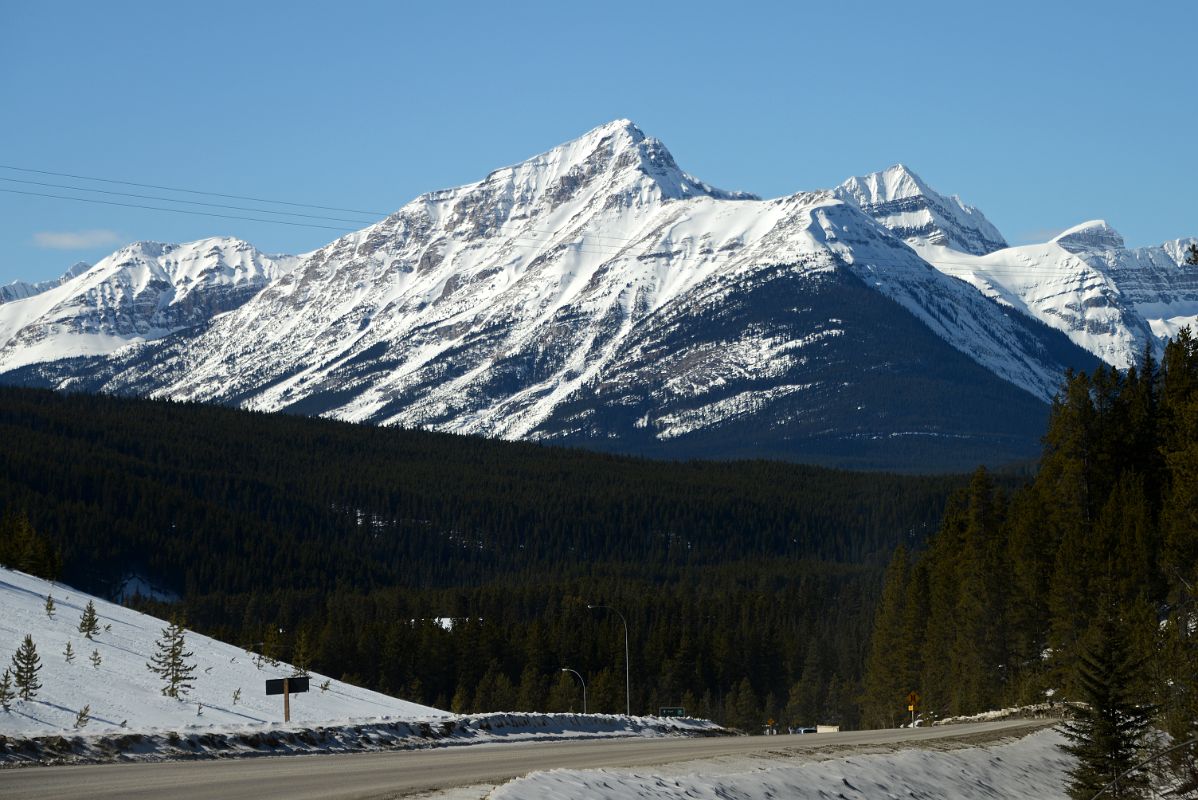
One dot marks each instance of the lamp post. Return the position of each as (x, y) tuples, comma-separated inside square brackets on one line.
[(627, 666), (584, 687)]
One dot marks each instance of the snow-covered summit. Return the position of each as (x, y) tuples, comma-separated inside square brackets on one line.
[(1094, 235), (19, 290), (143, 291), (914, 211), (1178, 249)]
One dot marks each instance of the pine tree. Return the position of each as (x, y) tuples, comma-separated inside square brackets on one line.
[(1110, 731), (301, 658), (237, 695), (95, 659), (50, 606), (89, 622), (6, 691), (83, 717), (886, 669), (1192, 255), (26, 664), (69, 653), (170, 661)]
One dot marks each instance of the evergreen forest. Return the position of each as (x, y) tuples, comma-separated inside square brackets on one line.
[(457, 571), (1019, 595)]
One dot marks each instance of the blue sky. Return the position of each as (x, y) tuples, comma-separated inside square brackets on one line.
[(1042, 114)]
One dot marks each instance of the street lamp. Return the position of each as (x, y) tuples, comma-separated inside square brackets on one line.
[(584, 687), (627, 667)]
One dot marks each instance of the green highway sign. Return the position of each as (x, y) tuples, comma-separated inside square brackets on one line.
[(672, 711)]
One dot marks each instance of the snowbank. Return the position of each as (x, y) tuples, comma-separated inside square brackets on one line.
[(252, 740), (1031, 767)]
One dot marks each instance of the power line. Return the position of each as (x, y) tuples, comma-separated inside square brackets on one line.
[(192, 191), (175, 200), (177, 210)]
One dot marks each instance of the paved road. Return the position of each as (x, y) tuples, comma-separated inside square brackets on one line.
[(367, 776)]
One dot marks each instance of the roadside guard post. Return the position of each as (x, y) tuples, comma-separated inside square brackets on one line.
[(287, 687)]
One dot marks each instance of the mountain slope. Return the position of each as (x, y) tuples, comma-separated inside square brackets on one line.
[(1111, 300), (901, 201), (492, 307), (141, 292)]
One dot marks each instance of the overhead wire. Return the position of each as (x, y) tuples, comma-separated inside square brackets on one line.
[(592, 244)]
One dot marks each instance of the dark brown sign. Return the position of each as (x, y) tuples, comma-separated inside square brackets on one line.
[(294, 685)]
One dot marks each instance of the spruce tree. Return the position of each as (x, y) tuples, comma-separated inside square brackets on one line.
[(89, 622), (50, 606), (95, 659), (69, 653), (26, 664), (1192, 255), (301, 658), (170, 661), (6, 690), (1110, 731), (83, 717)]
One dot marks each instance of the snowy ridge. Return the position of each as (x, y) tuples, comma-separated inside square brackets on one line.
[(1109, 299), (143, 291), (900, 200), (555, 297), (19, 290)]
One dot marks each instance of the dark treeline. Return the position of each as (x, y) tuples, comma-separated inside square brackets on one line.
[(749, 586), (1014, 589)]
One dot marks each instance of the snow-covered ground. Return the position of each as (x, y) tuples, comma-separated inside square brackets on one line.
[(124, 696), (130, 718), (1032, 767)]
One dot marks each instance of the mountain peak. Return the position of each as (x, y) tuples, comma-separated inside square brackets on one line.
[(1094, 234), (903, 202)]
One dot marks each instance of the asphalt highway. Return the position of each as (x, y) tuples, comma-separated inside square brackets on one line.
[(371, 776)]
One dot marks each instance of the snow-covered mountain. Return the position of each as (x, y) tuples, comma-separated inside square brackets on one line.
[(598, 294), (123, 694), (19, 290), (1110, 299), (141, 292), (915, 212)]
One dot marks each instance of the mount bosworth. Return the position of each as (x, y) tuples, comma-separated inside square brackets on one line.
[(597, 295)]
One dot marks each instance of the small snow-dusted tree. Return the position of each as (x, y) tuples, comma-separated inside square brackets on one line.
[(50, 606), (1192, 255), (95, 659), (89, 623), (237, 695), (26, 664), (6, 692), (83, 717), (301, 658), (69, 653), (170, 662), (324, 687)]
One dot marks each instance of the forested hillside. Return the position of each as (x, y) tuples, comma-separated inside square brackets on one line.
[(1015, 588), (456, 571)]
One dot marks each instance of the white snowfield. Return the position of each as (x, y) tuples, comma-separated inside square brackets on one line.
[(125, 697), (1032, 767)]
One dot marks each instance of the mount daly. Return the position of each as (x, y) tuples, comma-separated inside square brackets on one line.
[(598, 295)]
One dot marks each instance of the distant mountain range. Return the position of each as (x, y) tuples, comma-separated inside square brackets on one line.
[(598, 295)]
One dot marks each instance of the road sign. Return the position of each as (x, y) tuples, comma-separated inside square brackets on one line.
[(293, 685), (287, 687), (911, 707), (671, 711), (913, 699)]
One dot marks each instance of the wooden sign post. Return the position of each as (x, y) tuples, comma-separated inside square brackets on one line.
[(285, 686)]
